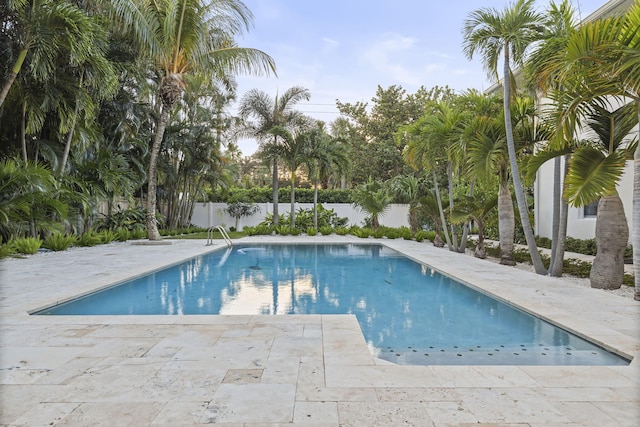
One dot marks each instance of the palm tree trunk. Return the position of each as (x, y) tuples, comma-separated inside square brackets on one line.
[(444, 222), (612, 235), (635, 239), (23, 132), (480, 251), (67, 145), (12, 75), (152, 227), (555, 222), (467, 225), (454, 238), (315, 204), (557, 261), (515, 173), (293, 200), (274, 184), (506, 224)]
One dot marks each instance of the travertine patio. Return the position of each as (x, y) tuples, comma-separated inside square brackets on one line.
[(283, 370)]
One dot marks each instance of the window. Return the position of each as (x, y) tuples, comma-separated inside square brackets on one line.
[(591, 210)]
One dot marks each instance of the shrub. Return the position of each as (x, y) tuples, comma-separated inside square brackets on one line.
[(311, 231), (138, 234), (6, 251), (131, 219), (342, 231), (27, 245), (429, 235), (294, 231), (326, 230), (122, 234), (107, 236), (282, 229), (57, 241), (90, 238)]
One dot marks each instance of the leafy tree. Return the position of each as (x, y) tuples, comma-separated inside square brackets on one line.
[(508, 32), (240, 209)]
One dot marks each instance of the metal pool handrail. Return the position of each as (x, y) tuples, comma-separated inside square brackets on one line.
[(222, 231)]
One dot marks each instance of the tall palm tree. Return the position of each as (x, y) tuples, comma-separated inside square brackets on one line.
[(292, 151), (262, 113), (324, 156), (184, 37), (559, 23), (508, 32)]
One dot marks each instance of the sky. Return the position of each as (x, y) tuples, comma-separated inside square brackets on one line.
[(343, 49)]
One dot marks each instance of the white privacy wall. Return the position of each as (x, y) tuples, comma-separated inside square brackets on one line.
[(213, 214)]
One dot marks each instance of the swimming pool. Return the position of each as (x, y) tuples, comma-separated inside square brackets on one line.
[(409, 313)]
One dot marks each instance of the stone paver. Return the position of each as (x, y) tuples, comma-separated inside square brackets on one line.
[(287, 370)]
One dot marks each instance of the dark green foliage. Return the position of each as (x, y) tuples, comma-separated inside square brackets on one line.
[(265, 195), (586, 247), (422, 235), (130, 219), (304, 219), (57, 241), (27, 245)]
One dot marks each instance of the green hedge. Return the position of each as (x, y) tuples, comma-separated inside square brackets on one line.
[(265, 195)]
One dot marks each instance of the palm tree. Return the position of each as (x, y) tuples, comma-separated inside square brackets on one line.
[(374, 198), (268, 113), (602, 59), (324, 156), (593, 173), (45, 30), (292, 151), (560, 23), (185, 37), (510, 32)]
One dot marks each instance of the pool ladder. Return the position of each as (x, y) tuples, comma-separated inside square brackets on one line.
[(222, 231)]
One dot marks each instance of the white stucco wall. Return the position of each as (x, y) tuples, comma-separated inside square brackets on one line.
[(213, 214), (578, 226)]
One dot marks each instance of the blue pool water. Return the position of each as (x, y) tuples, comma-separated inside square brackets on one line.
[(409, 313)]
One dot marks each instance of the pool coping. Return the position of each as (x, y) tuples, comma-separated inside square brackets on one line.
[(347, 364)]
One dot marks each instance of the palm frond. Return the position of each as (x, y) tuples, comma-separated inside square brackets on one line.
[(591, 175)]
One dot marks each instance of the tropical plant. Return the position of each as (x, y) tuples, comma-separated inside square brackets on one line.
[(185, 37), (601, 60), (323, 156), (408, 189), (593, 173), (374, 198), (57, 241), (27, 245), (292, 151), (508, 32), (261, 113)]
